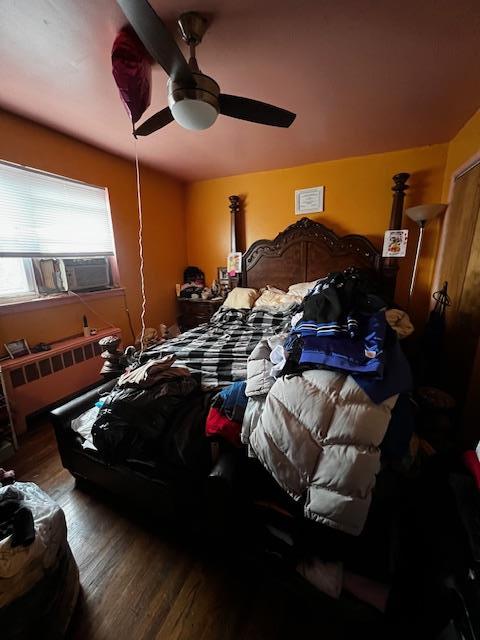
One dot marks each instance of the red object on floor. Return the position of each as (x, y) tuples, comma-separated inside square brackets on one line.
[(472, 463), (219, 425)]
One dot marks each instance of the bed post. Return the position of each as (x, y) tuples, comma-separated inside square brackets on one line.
[(390, 265), (234, 207), (399, 187)]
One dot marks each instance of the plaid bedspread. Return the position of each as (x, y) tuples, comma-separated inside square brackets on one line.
[(216, 353)]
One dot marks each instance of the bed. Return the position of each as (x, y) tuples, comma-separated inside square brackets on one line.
[(217, 353)]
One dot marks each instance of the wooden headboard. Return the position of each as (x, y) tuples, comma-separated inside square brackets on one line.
[(308, 250)]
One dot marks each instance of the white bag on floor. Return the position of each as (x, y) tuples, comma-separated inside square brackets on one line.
[(22, 567)]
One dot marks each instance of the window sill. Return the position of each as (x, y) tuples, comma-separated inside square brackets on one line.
[(47, 302)]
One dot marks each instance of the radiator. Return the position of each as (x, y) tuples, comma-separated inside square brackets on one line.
[(39, 380)]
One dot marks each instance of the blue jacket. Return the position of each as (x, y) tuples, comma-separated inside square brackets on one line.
[(363, 354)]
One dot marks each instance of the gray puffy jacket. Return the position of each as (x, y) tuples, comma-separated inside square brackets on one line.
[(319, 435)]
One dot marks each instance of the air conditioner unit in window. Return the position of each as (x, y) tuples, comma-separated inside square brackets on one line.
[(87, 274)]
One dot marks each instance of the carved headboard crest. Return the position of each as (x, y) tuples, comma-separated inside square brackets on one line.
[(306, 230)]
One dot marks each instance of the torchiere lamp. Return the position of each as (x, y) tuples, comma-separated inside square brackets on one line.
[(422, 214)]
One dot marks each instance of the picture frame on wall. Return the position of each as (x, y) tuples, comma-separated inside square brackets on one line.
[(309, 201), (222, 275), (17, 348)]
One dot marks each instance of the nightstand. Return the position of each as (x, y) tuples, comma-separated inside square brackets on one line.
[(192, 312)]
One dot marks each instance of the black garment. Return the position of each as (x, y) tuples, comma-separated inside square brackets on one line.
[(340, 295), (133, 421), (16, 520), (184, 445), (430, 365), (188, 292)]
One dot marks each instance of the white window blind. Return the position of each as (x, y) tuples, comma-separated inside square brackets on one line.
[(46, 215)]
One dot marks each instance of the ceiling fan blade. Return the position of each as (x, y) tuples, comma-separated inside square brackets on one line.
[(155, 122), (157, 39), (254, 111)]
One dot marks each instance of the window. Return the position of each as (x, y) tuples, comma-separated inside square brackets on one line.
[(54, 232), (16, 278)]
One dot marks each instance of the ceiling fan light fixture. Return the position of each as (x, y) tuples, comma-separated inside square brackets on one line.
[(194, 99), (194, 108), (194, 114)]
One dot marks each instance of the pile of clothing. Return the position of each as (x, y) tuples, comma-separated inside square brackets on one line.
[(226, 414), (135, 420), (319, 426), (343, 327), (151, 373)]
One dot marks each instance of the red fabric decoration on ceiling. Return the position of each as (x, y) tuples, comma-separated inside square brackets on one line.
[(132, 70)]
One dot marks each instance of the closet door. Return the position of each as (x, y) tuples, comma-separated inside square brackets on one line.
[(467, 327), (460, 266), (459, 232)]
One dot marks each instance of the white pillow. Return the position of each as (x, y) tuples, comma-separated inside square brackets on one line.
[(276, 300), (269, 287), (301, 288), (241, 298)]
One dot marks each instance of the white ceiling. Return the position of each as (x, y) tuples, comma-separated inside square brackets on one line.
[(363, 77)]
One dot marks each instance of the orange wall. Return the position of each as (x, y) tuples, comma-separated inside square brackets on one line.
[(25, 142), (357, 200)]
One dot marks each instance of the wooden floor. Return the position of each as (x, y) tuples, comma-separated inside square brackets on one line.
[(140, 582)]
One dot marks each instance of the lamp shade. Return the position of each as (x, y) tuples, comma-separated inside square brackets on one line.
[(194, 114), (425, 212)]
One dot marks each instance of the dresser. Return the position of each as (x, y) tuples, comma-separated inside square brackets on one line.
[(191, 313)]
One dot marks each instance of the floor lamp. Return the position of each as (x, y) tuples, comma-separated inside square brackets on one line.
[(421, 214)]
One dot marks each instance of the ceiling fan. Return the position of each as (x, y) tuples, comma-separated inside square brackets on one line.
[(194, 99)]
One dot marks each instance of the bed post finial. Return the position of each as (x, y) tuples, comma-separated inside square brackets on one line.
[(234, 207), (399, 187)]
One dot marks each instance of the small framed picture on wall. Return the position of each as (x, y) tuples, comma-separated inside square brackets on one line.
[(17, 348), (222, 275)]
